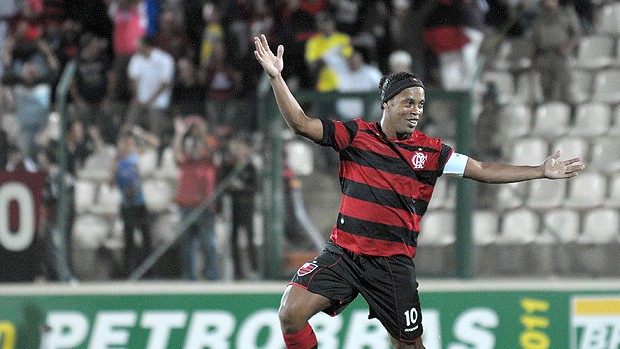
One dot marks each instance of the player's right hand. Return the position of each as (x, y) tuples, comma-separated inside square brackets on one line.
[(272, 64)]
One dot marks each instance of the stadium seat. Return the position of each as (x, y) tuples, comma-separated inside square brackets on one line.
[(505, 83), (158, 195), (300, 155), (607, 20), (529, 151), (562, 226), (513, 54), (551, 119), (519, 227), (97, 166), (84, 195), (600, 226), (586, 190), (108, 200), (604, 155), (444, 195), (595, 51), (607, 86), (544, 194), (591, 119), (583, 81), (485, 226), (614, 192), (571, 147), (515, 120), (518, 245), (529, 88), (598, 242), (511, 195), (169, 168), (435, 243), (147, 163), (437, 228), (89, 233), (615, 124)]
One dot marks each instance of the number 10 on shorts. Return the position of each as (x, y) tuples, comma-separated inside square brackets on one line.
[(411, 318)]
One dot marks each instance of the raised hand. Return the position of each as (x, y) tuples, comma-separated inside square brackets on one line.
[(554, 169), (272, 64)]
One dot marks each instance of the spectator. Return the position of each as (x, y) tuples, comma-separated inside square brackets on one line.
[(222, 80), (129, 20), (170, 35), (189, 91), (91, 88), (194, 150), (8, 11), (213, 32), (555, 32), (452, 32), (400, 60), (242, 192), (55, 267), (407, 33), (354, 75), (134, 214), (18, 161), (32, 91), (151, 73), (317, 47)]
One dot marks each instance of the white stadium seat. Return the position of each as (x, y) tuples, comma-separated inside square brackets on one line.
[(529, 151), (614, 192), (605, 154), (108, 200), (591, 119), (551, 119), (505, 83), (83, 195), (515, 120), (571, 147), (595, 51), (158, 195), (586, 190), (546, 193), (607, 86)]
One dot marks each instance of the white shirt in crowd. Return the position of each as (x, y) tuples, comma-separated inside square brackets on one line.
[(149, 73)]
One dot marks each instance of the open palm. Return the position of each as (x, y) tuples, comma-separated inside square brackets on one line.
[(555, 169), (272, 64)]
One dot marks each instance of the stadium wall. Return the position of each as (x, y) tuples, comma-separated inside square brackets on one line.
[(457, 315)]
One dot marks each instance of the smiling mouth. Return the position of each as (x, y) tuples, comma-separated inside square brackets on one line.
[(412, 122)]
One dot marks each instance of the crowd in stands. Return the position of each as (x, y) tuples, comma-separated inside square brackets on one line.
[(181, 75)]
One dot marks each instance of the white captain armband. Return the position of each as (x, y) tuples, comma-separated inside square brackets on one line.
[(456, 165)]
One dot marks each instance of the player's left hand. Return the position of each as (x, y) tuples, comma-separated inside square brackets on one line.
[(554, 169)]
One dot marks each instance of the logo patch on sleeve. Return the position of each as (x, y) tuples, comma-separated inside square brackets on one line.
[(306, 269)]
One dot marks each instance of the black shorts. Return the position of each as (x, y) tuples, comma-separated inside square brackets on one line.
[(388, 284)]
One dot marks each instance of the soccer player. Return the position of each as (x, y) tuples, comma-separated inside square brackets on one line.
[(388, 170)]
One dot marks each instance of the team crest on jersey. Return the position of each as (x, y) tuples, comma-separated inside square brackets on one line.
[(418, 160), (306, 269)]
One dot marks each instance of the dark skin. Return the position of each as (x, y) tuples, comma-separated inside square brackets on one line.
[(401, 115)]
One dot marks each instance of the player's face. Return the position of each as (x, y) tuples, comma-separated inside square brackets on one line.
[(402, 113)]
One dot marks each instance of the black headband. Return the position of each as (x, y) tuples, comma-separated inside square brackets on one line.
[(392, 90)]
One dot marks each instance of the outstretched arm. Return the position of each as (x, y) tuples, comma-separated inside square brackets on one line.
[(294, 116), (503, 173)]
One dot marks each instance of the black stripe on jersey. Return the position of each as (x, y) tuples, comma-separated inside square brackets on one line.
[(388, 164), (372, 230), (352, 127), (408, 147), (443, 157), (329, 129), (383, 197)]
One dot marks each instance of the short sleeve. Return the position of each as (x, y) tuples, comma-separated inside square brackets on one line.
[(338, 134)]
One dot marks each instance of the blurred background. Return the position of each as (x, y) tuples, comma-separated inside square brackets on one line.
[(140, 139)]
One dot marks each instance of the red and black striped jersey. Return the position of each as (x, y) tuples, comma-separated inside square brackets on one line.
[(386, 186)]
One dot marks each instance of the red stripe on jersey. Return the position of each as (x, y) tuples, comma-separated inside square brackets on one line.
[(372, 212), (374, 247)]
